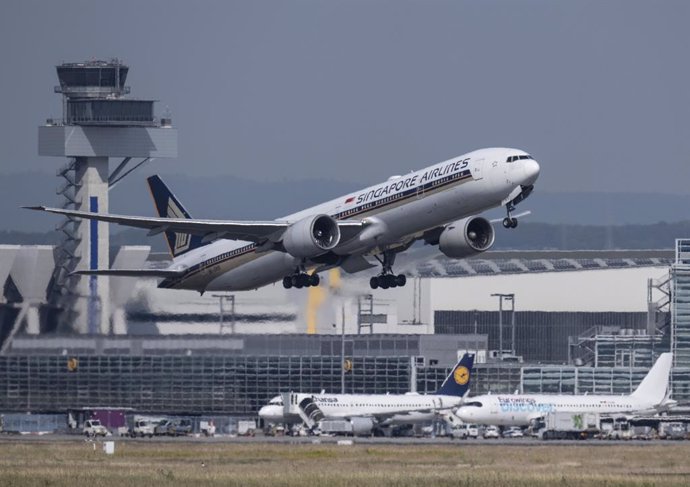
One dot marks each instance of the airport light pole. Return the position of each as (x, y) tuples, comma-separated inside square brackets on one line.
[(511, 298), (342, 348), (221, 298)]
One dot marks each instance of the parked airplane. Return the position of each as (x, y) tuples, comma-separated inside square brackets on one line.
[(369, 411), (522, 409), (437, 205)]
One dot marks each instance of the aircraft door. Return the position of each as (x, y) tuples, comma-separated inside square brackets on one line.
[(476, 168)]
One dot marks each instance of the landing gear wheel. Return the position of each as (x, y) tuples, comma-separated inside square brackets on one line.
[(387, 279), (299, 280), (510, 222)]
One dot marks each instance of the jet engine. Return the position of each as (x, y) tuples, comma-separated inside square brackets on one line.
[(362, 426), (311, 236), (466, 237)]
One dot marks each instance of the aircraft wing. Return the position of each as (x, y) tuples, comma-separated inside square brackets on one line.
[(251, 231), (128, 272)]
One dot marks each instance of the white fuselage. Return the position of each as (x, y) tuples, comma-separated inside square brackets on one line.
[(396, 211), (385, 409), (521, 409)]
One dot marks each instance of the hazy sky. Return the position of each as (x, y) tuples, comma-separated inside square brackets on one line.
[(359, 90)]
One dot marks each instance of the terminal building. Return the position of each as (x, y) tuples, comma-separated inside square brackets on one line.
[(542, 321), (231, 372)]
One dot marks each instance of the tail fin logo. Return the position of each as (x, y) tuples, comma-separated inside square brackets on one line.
[(461, 375), (182, 240)]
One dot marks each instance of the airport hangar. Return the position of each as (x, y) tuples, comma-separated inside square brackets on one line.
[(70, 342)]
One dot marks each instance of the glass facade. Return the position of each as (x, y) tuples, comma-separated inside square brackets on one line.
[(680, 314), (486, 378), (184, 384), (540, 336)]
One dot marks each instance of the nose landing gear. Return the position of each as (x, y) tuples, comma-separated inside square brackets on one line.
[(509, 221), (387, 278)]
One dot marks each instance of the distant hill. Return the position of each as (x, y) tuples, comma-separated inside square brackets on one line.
[(233, 198), (528, 236)]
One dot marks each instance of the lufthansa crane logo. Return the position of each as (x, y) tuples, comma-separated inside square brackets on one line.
[(72, 364), (461, 375)]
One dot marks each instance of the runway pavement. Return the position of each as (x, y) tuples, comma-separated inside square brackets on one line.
[(307, 440)]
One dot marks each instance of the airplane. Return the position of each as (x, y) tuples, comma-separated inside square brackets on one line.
[(523, 409), (367, 412), (437, 205)]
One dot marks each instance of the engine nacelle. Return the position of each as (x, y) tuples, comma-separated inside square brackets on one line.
[(466, 237), (362, 426), (311, 236)]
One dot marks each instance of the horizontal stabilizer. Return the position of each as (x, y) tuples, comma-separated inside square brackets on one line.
[(128, 272)]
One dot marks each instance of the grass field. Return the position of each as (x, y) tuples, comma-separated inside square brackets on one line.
[(73, 463)]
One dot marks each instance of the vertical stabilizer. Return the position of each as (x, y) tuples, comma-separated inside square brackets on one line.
[(653, 387), (458, 381), (168, 206)]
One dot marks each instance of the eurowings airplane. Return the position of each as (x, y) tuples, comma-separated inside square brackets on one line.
[(521, 409), (437, 204), (369, 411)]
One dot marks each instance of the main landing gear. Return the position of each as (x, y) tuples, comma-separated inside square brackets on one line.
[(301, 279), (387, 279), (509, 221)]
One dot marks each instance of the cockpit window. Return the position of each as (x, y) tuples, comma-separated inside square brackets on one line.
[(518, 158), (277, 401)]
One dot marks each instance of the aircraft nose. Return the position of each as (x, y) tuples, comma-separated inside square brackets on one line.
[(263, 412), (530, 170)]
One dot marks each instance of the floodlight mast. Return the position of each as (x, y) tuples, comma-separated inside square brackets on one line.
[(510, 298)]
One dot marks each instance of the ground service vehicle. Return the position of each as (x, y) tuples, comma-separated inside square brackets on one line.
[(491, 432), (565, 425), (93, 427), (162, 427), (513, 432), (464, 431), (207, 428), (143, 427), (180, 427), (672, 431)]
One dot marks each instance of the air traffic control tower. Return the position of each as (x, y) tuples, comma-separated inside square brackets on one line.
[(98, 124)]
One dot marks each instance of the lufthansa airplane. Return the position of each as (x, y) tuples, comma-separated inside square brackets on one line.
[(650, 397), (369, 411), (437, 205)]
